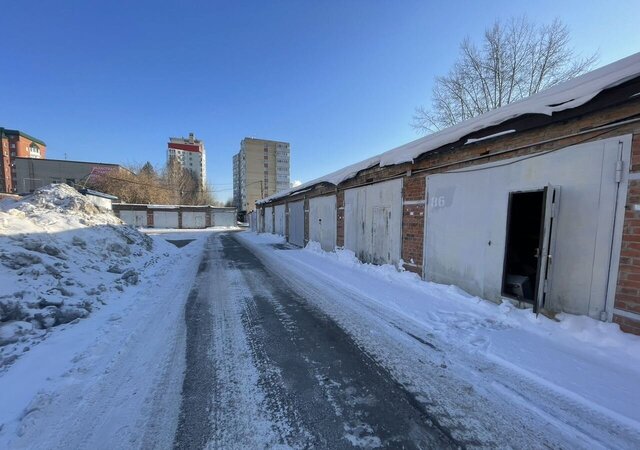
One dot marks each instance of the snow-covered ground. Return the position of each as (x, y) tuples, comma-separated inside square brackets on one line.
[(576, 377), (62, 258), (98, 378)]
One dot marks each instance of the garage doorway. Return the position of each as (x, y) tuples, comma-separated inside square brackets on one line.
[(528, 242)]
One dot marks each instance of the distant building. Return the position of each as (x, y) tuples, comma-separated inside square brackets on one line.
[(260, 169), (16, 144), (30, 173), (190, 153)]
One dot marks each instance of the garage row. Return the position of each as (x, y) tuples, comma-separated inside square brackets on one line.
[(160, 216), (543, 229)]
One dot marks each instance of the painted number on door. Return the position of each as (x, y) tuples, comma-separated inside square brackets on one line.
[(438, 201)]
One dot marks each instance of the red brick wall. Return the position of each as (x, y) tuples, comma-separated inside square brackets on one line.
[(340, 219), (562, 133), (413, 222), (306, 220), (628, 287)]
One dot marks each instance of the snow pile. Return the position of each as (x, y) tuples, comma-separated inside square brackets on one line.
[(60, 258)]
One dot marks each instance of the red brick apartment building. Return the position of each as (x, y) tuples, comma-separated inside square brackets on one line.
[(537, 202), (16, 144)]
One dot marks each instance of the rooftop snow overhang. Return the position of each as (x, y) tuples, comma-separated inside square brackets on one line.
[(564, 96)]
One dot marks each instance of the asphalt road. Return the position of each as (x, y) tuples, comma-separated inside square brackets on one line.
[(267, 370)]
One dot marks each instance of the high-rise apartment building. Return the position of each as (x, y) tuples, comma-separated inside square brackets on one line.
[(260, 169), (16, 144), (190, 153)]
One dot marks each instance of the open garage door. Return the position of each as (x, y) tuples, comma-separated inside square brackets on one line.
[(557, 246)]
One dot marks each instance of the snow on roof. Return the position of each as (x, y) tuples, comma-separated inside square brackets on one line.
[(563, 96)]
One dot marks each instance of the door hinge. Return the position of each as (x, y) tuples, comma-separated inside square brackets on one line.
[(619, 167)]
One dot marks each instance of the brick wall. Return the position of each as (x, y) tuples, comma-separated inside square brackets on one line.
[(340, 219), (413, 218), (568, 128), (628, 287)]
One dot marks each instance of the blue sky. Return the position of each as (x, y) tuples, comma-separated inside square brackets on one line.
[(112, 80)]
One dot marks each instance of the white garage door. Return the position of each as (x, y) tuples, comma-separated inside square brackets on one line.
[(165, 219), (221, 218), (296, 223), (135, 218), (268, 219), (468, 221), (194, 219), (279, 220), (373, 222), (322, 221)]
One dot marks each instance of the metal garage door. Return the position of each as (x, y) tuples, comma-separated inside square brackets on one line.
[(221, 218), (322, 221), (279, 220), (193, 219), (268, 219), (466, 231), (373, 222), (296, 223), (135, 218), (165, 219)]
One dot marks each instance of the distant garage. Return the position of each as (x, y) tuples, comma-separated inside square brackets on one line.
[(165, 219), (268, 220), (223, 217), (322, 221), (135, 218), (377, 209), (279, 220), (296, 223), (194, 219), (175, 216)]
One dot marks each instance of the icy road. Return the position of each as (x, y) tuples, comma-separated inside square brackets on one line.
[(240, 341)]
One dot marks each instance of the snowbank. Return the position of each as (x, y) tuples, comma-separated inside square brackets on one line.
[(563, 326), (61, 257)]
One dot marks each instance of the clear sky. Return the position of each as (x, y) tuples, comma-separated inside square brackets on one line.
[(111, 80)]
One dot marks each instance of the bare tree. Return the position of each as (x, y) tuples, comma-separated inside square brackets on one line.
[(513, 61), (172, 185), (184, 186)]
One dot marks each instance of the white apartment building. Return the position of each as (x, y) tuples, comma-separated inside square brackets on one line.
[(191, 155)]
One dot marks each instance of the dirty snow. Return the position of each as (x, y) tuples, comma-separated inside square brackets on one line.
[(572, 378), (61, 258), (113, 379), (563, 96)]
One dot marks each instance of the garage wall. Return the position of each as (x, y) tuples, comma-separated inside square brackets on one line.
[(165, 219), (373, 222), (322, 221), (296, 223), (135, 218), (279, 220), (268, 219), (194, 219), (467, 215)]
